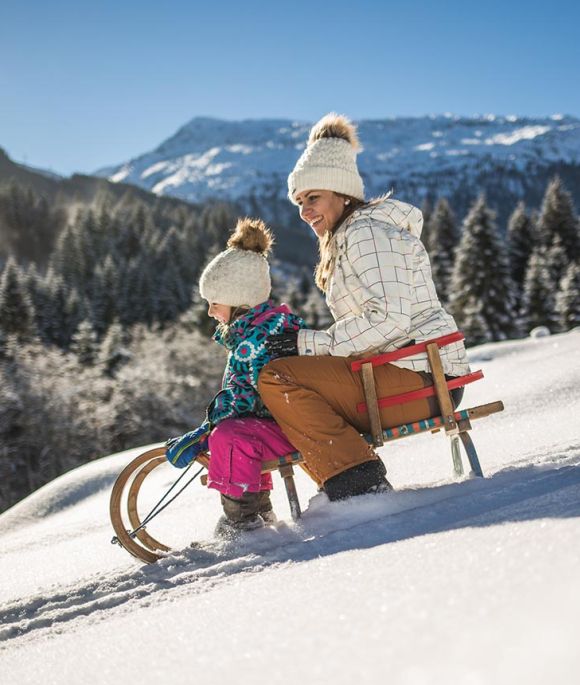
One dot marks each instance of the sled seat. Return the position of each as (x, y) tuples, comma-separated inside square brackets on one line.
[(455, 424)]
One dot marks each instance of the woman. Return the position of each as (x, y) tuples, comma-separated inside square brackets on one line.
[(376, 275)]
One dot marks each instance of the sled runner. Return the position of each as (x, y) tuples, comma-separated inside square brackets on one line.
[(455, 423)]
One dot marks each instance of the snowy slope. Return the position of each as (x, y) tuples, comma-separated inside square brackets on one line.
[(442, 581), (439, 155)]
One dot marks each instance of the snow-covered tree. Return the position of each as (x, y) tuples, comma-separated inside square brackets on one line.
[(113, 352), (568, 298), (538, 303), (558, 218), (557, 262), (136, 296), (36, 286), (56, 330), (443, 239), (521, 242), (172, 294), (105, 295), (16, 308), (69, 258), (474, 325), (481, 280), (75, 312), (84, 343)]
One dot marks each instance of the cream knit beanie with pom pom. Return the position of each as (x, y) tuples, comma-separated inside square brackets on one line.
[(240, 276), (329, 161)]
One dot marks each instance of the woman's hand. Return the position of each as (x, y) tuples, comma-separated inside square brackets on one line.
[(282, 345), (183, 450)]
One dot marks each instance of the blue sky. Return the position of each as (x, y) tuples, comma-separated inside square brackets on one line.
[(84, 85)]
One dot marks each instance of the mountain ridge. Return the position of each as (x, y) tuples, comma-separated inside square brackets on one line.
[(247, 161)]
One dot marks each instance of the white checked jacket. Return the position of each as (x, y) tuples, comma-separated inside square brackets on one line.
[(381, 292)]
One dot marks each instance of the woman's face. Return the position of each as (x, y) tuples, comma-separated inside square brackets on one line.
[(320, 209), (220, 312)]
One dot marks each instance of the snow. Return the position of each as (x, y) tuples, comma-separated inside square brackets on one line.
[(462, 581), (524, 133)]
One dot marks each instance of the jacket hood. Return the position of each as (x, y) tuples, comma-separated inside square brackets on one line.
[(394, 212)]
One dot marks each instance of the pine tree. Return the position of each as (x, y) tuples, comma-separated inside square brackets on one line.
[(36, 287), (105, 296), (136, 297), (16, 309), (55, 326), (70, 260), (474, 326), (558, 218), (113, 352), (443, 238), (538, 305), (172, 295), (75, 312), (481, 280), (557, 262), (84, 343), (521, 242), (568, 299)]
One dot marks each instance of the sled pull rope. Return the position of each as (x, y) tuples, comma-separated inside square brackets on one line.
[(157, 508)]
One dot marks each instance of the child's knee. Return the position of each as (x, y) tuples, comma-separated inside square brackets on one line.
[(222, 434)]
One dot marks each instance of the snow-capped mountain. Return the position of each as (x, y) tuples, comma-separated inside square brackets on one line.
[(248, 161)]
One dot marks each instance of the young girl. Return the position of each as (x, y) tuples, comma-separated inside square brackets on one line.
[(239, 431)]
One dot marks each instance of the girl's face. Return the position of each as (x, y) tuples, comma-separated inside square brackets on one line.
[(320, 209), (220, 312)]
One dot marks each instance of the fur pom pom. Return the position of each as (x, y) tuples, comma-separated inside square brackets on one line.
[(252, 234), (335, 126)]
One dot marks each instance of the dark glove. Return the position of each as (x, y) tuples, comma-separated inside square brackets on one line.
[(282, 345), (183, 450)]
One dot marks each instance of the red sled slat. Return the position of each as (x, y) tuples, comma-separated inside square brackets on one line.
[(380, 359), (405, 397)]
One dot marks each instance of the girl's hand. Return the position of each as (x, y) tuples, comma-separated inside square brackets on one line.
[(182, 451)]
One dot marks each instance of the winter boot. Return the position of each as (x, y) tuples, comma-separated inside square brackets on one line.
[(239, 515), (265, 510), (362, 479)]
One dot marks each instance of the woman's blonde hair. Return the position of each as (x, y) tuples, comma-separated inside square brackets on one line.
[(326, 247)]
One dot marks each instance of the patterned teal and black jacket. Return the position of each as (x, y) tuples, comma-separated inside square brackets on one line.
[(245, 339)]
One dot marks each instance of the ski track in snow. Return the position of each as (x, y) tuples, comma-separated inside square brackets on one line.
[(547, 488)]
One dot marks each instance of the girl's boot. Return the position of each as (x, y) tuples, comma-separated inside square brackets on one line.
[(239, 515), (266, 511)]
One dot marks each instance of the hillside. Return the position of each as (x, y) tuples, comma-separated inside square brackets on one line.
[(65, 197), (441, 581)]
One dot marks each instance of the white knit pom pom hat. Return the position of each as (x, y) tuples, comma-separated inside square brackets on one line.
[(240, 276), (329, 161)]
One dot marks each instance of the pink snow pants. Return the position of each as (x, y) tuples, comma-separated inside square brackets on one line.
[(238, 447)]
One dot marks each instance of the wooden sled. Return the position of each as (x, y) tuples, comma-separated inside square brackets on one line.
[(455, 423)]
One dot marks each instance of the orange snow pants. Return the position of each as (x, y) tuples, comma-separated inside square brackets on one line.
[(313, 400)]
